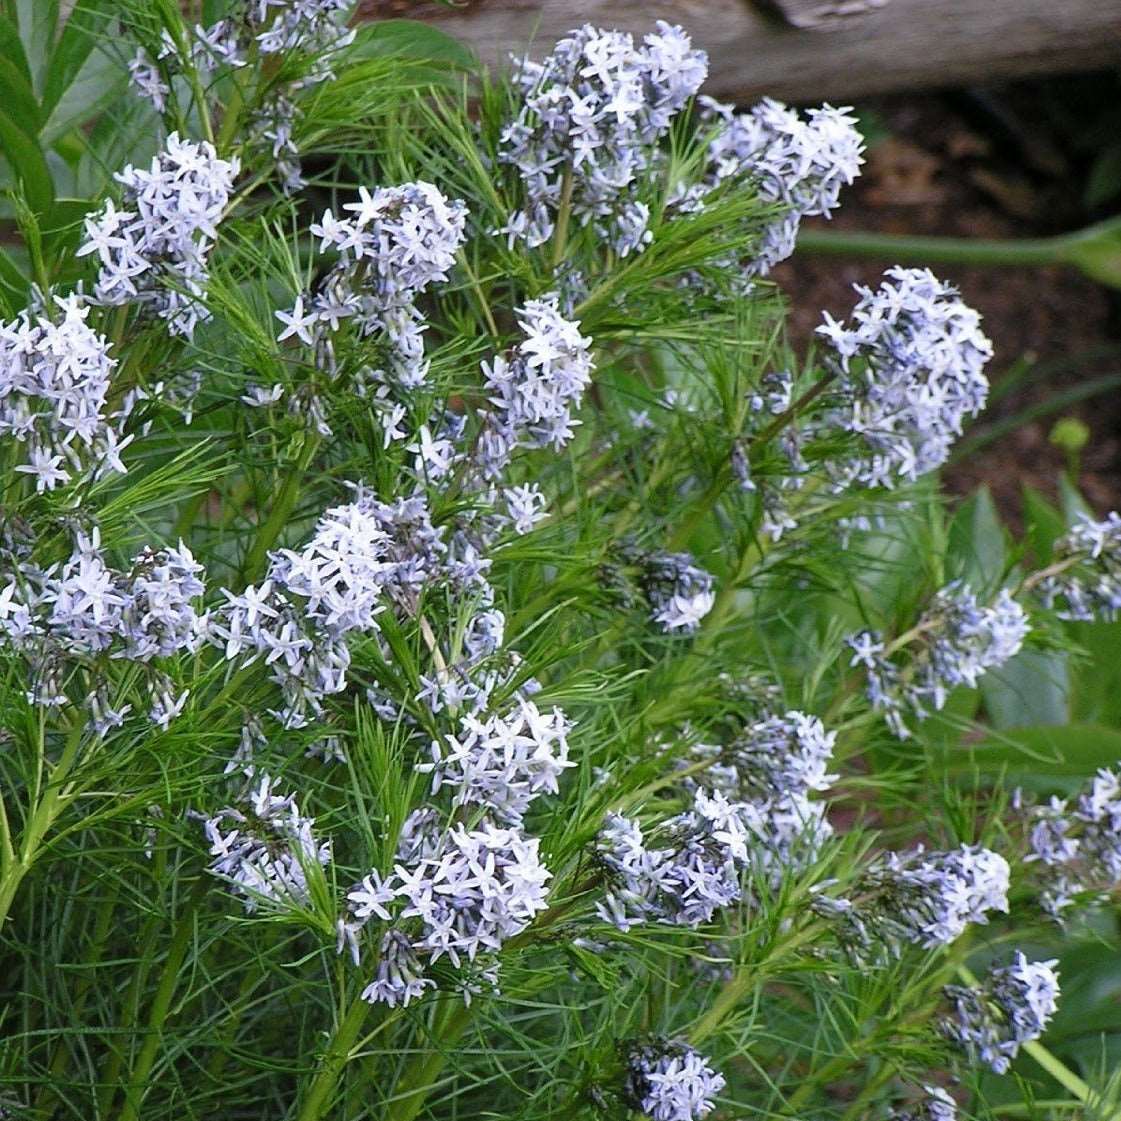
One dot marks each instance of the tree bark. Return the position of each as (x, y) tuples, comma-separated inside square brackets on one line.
[(901, 44)]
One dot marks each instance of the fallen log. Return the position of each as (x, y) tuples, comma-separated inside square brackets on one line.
[(812, 49)]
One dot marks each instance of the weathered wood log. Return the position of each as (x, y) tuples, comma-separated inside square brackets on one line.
[(856, 49)]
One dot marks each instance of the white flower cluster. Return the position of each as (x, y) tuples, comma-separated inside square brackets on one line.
[(679, 592), (266, 848), (671, 1081), (400, 241), (534, 390), (361, 557), (935, 1105), (955, 641), (154, 250), (502, 762), (469, 890), (83, 608), (1088, 583), (799, 164), (1079, 848), (54, 390), (696, 874), (911, 370), (1012, 1006), (925, 899), (592, 115)]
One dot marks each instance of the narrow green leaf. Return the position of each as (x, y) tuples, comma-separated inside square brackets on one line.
[(63, 226), (1074, 505), (1044, 524)]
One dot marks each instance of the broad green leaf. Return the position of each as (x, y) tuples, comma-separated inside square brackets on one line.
[(406, 38), (1074, 505), (1045, 758), (1096, 697), (13, 284), (27, 165), (1032, 688), (86, 27), (975, 551), (38, 23), (98, 83), (17, 98), (11, 47)]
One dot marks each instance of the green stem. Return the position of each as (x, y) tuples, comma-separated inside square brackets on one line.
[(1070, 249), (1062, 1074), (53, 802), (741, 983), (919, 250), (337, 1056), (560, 233), (254, 564), (477, 287), (161, 1004), (420, 1075)]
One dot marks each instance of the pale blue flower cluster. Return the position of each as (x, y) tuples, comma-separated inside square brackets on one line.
[(316, 29), (399, 241), (769, 770), (83, 608), (1087, 583), (1078, 848), (800, 164), (680, 592), (919, 898), (591, 117), (1012, 1006), (468, 890), (502, 762), (671, 1081), (153, 251), (264, 848), (909, 370), (956, 640), (934, 1105), (54, 396), (532, 392), (696, 873)]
